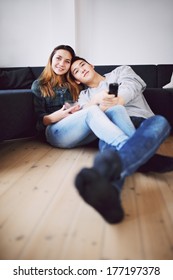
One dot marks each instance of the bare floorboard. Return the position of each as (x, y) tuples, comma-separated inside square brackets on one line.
[(43, 217)]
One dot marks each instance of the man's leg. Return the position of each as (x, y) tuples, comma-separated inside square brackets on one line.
[(143, 145), (157, 163), (135, 152), (98, 192)]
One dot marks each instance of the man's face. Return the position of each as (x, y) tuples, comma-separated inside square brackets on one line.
[(82, 71)]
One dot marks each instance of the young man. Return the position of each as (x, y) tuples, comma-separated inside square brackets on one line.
[(101, 185)]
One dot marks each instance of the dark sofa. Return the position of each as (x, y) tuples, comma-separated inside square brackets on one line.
[(17, 118)]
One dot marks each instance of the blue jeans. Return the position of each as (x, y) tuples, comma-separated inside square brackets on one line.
[(141, 146), (114, 127)]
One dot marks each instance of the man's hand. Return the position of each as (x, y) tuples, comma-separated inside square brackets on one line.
[(107, 100)]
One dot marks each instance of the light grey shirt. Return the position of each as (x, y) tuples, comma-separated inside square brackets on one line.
[(131, 88)]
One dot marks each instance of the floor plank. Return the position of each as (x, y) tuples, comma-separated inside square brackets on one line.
[(43, 217)]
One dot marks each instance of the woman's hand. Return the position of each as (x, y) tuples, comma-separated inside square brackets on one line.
[(75, 108), (70, 110), (60, 114)]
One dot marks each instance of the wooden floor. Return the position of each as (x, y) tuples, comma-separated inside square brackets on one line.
[(43, 217)]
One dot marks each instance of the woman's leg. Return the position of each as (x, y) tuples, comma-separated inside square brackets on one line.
[(85, 124), (70, 132)]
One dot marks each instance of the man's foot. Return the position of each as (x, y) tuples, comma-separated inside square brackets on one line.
[(108, 164), (158, 163), (98, 192)]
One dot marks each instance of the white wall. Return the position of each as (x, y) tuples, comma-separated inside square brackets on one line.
[(30, 29), (103, 31), (125, 31)]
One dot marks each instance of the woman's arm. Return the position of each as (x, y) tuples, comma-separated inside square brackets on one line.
[(43, 114), (59, 114)]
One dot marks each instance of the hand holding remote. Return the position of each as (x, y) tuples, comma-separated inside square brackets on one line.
[(113, 89)]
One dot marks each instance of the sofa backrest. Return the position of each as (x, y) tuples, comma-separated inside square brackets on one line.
[(155, 76), (18, 77), (147, 72), (37, 71), (164, 74)]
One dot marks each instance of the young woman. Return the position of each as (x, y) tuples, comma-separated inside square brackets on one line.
[(68, 128), (52, 89)]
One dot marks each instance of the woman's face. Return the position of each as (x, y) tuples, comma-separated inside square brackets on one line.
[(61, 62)]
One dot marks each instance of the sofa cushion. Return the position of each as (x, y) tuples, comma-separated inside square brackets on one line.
[(170, 84), (16, 78), (16, 114), (160, 102)]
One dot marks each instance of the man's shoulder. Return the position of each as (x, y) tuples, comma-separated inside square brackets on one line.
[(86, 90), (118, 69)]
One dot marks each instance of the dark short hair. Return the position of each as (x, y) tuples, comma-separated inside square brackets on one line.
[(76, 58)]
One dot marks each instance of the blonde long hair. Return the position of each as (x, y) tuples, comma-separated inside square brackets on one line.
[(48, 79)]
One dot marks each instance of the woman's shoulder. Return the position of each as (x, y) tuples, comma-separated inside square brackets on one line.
[(35, 87)]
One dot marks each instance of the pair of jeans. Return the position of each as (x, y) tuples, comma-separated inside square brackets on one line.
[(141, 146), (114, 127)]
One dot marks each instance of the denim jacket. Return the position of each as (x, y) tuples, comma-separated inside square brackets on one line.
[(47, 105)]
